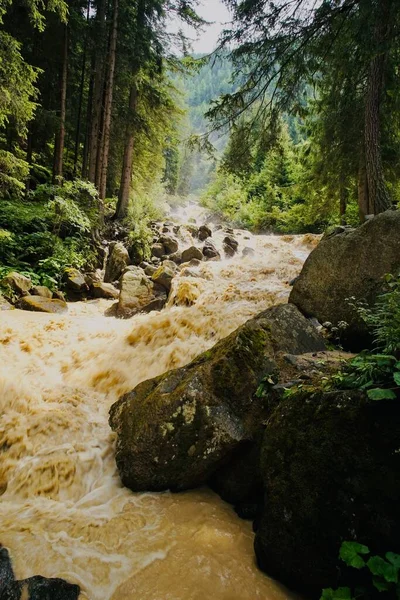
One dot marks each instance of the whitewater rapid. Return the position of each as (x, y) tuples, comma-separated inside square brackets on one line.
[(63, 510)]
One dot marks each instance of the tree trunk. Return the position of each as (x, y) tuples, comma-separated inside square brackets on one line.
[(343, 201), (60, 137), (81, 91), (85, 159), (379, 199), (126, 178), (98, 88), (363, 196), (105, 141)]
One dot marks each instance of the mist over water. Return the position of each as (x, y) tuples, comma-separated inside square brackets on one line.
[(63, 510)]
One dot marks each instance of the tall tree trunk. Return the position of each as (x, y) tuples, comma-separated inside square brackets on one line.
[(85, 159), (379, 199), (343, 200), (98, 88), (81, 91), (363, 195), (105, 141), (60, 137), (126, 178)]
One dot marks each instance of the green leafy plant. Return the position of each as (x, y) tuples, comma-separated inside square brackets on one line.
[(384, 572)]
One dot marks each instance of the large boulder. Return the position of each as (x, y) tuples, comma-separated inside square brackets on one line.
[(349, 265), (164, 275), (117, 261), (175, 431), (138, 294), (41, 304), (17, 282), (330, 463), (204, 232), (210, 251), (169, 244)]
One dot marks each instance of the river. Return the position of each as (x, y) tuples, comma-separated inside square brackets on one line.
[(63, 511)]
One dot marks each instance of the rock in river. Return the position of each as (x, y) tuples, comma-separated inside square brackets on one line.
[(138, 294), (346, 265), (41, 304), (116, 263), (176, 430)]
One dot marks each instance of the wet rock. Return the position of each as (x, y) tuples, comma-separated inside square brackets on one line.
[(139, 294), (164, 276), (176, 257), (193, 230), (105, 290), (34, 588), (169, 243), (150, 270), (175, 431), (331, 471), (229, 251), (57, 295), (94, 277), (75, 281), (349, 265), (157, 250), (210, 251), (4, 304), (248, 251), (155, 260), (117, 260), (204, 233), (17, 282), (40, 304), (230, 241), (41, 290), (190, 253)]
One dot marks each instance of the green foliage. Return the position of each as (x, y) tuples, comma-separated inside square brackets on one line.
[(49, 230), (384, 571), (13, 174), (378, 372)]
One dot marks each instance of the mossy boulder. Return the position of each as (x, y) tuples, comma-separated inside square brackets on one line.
[(175, 431), (17, 282), (138, 294), (330, 464), (349, 264)]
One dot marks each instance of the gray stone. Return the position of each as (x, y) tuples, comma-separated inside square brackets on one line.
[(17, 282), (105, 290), (190, 253), (40, 304), (169, 243), (75, 281), (41, 290), (117, 261), (204, 233), (157, 250)]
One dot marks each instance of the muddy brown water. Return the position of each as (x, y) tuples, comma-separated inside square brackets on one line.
[(63, 510)]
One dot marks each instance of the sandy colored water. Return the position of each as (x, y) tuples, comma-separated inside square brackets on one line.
[(63, 511)]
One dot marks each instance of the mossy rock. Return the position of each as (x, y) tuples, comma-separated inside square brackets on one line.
[(175, 431), (330, 464), (41, 304)]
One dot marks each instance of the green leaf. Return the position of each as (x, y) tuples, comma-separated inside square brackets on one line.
[(350, 554), (379, 566), (381, 394), (343, 593), (394, 559), (381, 585), (396, 377)]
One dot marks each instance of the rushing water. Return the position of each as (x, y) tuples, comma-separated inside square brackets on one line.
[(63, 511)]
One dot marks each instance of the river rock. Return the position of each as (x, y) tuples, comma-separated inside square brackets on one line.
[(204, 233), (247, 251), (150, 270), (5, 304), (138, 294), (157, 250), (349, 265), (105, 290), (41, 290), (230, 241), (210, 251), (176, 257), (17, 282), (169, 243), (164, 276), (117, 261), (330, 464), (34, 588), (75, 281), (190, 253), (175, 431), (40, 304)]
